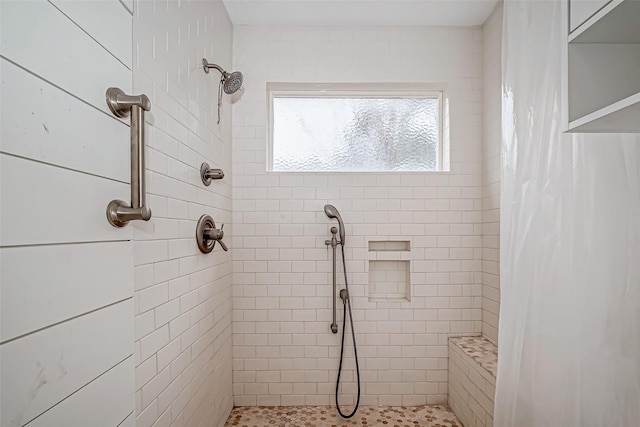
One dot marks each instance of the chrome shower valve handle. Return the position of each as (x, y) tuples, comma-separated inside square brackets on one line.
[(216, 234), (207, 235), (207, 174)]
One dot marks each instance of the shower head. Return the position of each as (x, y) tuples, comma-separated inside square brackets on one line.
[(229, 82), (232, 81), (333, 213)]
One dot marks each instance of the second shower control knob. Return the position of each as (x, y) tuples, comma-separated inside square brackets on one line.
[(207, 174), (207, 234)]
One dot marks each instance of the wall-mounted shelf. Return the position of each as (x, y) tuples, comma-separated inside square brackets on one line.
[(580, 11), (389, 245), (602, 66)]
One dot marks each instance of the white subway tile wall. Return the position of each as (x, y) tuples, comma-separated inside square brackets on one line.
[(492, 106), (183, 297), (283, 350), (472, 389)]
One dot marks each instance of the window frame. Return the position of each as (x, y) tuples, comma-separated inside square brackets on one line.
[(439, 91)]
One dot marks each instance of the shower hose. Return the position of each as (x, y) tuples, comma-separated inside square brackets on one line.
[(347, 304)]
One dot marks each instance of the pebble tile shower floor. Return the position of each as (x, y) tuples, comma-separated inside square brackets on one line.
[(327, 416)]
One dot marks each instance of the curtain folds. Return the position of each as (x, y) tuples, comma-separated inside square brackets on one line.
[(569, 334)]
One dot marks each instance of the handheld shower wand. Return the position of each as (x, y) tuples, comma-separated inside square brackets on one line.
[(333, 213)]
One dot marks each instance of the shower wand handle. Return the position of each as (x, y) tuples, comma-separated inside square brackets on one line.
[(333, 213)]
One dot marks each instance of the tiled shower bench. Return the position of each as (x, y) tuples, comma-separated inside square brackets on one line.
[(472, 380)]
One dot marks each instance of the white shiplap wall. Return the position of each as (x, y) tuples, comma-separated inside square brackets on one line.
[(66, 278)]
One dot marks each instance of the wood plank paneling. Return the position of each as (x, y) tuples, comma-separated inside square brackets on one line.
[(52, 126), (69, 280), (130, 421), (43, 204), (43, 368), (128, 4), (100, 403), (106, 21), (66, 275), (40, 38)]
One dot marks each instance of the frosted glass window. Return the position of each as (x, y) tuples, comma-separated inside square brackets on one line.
[(356, 133)]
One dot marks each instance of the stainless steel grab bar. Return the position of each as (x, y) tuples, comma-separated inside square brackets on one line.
[(119, 213)]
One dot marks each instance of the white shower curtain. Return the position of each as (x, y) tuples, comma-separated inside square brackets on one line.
[(569, 352)]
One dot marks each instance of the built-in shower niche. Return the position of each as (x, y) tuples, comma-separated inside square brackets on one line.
[(389, 270)]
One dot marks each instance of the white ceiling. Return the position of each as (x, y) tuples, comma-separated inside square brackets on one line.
[(360, 12)]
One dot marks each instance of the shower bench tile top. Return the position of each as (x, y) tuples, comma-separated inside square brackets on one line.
[(480, 350)]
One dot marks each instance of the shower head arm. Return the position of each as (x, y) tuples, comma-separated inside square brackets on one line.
[(206, 66)]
